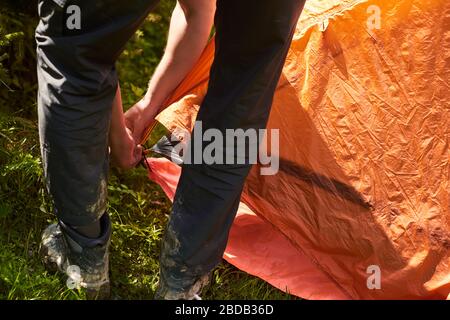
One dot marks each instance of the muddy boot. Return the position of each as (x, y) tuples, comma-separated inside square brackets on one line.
[(85, 261), (164, 292)]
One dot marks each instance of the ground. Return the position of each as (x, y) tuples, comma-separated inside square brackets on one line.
[(138, 207)]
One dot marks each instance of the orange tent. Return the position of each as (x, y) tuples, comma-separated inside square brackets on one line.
[(360, 207)]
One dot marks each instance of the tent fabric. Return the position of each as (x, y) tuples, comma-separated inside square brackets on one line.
[(364, 155), (258, 248)]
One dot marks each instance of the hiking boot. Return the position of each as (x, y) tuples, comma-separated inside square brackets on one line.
[(85, 261), (163, 292)]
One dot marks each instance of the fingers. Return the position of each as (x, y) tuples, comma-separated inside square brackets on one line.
[(132, 119), (137, 154), (126, 153), (134, 157)]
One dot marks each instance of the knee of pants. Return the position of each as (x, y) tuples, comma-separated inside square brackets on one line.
[(75, 160), (78, 187)]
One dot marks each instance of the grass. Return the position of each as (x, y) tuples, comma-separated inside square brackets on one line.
[(139, 211)]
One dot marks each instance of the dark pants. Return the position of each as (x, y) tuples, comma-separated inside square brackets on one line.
[(252, 39), (77, 84)]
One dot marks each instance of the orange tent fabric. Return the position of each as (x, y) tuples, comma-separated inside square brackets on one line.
[(363, 108)]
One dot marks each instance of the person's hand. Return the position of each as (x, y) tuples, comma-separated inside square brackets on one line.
[(139, 117), (124, 151)]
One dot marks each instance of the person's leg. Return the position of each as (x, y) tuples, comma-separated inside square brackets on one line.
[(252, 39), (78, 43)]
